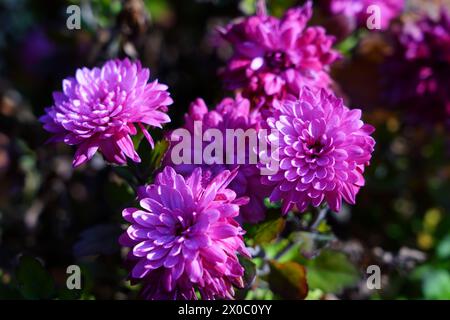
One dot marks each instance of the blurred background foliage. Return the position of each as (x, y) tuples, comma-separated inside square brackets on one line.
[(52, 216)]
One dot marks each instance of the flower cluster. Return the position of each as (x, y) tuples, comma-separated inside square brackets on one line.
[(99, 108), (323, 149), (357, 10), (275, 57), (228, 114), (417, 72), (185, 237)]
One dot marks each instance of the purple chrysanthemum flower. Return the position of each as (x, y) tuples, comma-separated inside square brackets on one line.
[(417, 74), (358, 10), (233, 114), (323, 149), (274, 57), (98, 110), (185, 237)]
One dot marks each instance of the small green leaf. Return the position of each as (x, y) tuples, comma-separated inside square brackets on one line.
[(331, 272), (272, 205), (137, 139), (33, 280), (158, 153), (158, 9), (248, 7), (347, 45), (288, 280), (315, 294), (267, 231), (151, 159)]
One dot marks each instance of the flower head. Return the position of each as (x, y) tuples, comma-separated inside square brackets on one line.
[(185, 237), (99, 108), (323, 150), (229, 115), (417, 72), (274, 57)]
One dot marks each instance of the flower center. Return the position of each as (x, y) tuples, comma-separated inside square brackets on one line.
[(278, 60), (179, 229), (315, 148)]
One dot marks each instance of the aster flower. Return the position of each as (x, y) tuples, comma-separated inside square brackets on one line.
[(416, 75), (323, 150), (357, 10), (274, 57), (228, 114), (99, 108), (185, 237)]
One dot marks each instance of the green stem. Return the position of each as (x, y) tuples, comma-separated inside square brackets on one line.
[(321, 214)]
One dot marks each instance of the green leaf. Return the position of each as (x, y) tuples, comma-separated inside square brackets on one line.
[(266, 231), (275, 248), (249, 271), (248, 7), (248, 278), (137, 139), (315, 294), (272, 205), (33, 280), (260, 294), (158, 152), (279, 7), (288, 280), (443, 249), (331, 272), (158, 9), (347, 45), (436, 285), (151, 159)]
